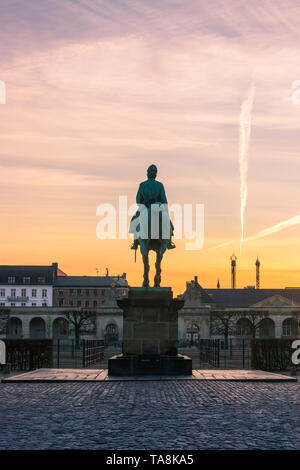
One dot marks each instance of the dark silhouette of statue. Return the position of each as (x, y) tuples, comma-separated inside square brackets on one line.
[(151, 224)]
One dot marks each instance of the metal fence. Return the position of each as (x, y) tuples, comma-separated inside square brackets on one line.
[(215, 353), (66, 355), (92, 351), (210, 352)]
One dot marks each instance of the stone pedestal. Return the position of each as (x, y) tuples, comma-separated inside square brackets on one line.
[(150, 335)]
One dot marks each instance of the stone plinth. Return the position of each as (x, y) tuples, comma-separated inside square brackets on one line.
[(150, 335)]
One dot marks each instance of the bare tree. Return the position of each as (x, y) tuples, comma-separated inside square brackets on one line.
[(82, 320), (223, 323), (255, 318)]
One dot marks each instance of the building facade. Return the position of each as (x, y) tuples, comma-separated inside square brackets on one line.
[(248, 312), (194, 317), (74, 294), (85, 291), (27, 286), (272, 313)]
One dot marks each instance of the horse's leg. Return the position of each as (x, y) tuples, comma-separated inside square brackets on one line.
[(157, 277), (145, 255), (163, 247), (159, 256)]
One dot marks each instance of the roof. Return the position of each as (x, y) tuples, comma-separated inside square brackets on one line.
[(88, 281), (34, 272), (194, 291), (247, 297)]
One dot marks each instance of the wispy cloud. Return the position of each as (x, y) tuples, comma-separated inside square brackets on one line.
[(98, 90)]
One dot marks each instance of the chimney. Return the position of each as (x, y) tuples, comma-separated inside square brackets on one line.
[(54, 270)]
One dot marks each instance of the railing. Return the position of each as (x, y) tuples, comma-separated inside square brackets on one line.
[(93, 351), (65, 355), (68, 355), (218, 354), (210, 352)]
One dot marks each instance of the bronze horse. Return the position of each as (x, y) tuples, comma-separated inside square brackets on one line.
[(159, 246)]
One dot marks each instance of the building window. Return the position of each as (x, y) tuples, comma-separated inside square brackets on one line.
[(13, 292), (95, 303), (290, 327), (2, 304), (2, 292), (71, 291), (95, 291), (23, 304), (11, 280), (60, 302), (78, 303), (41, 280), (60, 292), (26, 280), (78, 291), (33, 293), (71, 303), (12, 305), (23, 292), (87, 303), (44, 292), (87, 291), (33, 305), (44, 304)]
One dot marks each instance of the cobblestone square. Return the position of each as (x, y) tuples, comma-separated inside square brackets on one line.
[(150, 415)]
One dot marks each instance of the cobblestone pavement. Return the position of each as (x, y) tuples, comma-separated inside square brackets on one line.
[(150, 415)]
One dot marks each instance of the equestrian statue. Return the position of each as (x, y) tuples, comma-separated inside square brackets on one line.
[(151, 224)]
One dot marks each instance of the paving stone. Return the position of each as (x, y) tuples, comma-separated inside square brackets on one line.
[(176, 414)]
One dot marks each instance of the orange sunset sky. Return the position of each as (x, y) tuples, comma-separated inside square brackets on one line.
[(98, 90)]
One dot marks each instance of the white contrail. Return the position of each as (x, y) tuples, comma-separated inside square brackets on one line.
[(245, 132), (222, 245), (267, 231), (275, 228)]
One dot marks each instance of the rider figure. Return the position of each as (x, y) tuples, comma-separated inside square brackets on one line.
[(151, 192)]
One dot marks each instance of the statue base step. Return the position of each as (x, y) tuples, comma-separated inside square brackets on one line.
[(125, 365)]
